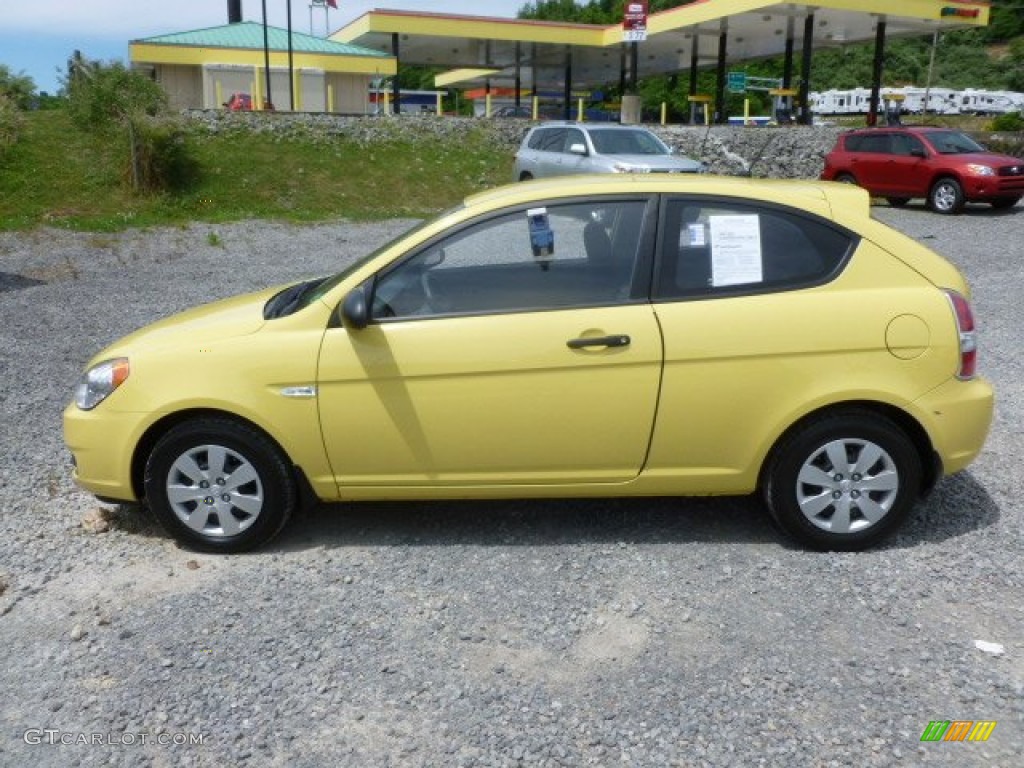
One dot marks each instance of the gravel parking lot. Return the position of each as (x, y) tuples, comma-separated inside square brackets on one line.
[(655, 632)]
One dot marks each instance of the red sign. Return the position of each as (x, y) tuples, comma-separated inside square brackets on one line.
[(634, 21)]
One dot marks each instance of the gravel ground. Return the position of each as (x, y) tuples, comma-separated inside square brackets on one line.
[(522, 633)]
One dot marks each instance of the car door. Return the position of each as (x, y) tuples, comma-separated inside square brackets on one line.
[(575, 162), (739, 290), (548, 156), (907, 171), (872, 162), (519, 349)]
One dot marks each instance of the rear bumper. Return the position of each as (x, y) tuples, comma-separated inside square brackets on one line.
[(957, 416)]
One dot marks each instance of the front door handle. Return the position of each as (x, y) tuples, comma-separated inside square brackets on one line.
[(620, 340)]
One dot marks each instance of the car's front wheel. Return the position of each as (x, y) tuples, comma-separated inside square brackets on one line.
[(946, 196), (843, 481), (525, 176), (219, 485)]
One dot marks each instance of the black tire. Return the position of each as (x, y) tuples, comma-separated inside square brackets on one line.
[(1005, 202), (846, 178), (247, 499), (876, 497), (946, 196), (898, 202), (525, 176)]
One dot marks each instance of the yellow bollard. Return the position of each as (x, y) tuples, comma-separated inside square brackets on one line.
[(330, 97), (746, 111), (580, 115), (487, 105), (664, 113), (536, 107), (440, 111), (257, 89)]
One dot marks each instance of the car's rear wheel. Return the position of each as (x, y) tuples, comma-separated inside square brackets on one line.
[(219, 485), (946, 196), (1005, 202), (898, 202), (525, 176), (846, 178), (843, 481)]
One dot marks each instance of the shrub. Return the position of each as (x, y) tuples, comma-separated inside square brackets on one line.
[(102, 96), (1011, 121), (109, 97), (160, 159)]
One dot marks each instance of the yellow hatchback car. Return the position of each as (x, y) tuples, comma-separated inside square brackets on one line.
[(593, 336)]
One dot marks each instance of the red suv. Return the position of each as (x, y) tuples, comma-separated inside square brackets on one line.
[(946, 167)]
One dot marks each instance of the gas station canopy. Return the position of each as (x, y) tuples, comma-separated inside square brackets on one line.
[(474, 49)]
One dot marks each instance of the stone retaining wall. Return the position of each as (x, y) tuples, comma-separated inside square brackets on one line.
[(781, 152)]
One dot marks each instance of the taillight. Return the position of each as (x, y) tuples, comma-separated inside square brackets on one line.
[(968, 336)]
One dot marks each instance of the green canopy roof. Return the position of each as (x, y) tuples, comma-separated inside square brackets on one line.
[(249, 35)]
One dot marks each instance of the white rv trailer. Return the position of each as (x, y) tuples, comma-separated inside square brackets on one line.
[(941, 101)]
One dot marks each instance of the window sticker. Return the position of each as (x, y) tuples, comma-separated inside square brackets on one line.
[(735, 250), (694, 235), (542, 239)]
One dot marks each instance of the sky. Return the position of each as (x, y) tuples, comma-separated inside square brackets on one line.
[(37, 38)]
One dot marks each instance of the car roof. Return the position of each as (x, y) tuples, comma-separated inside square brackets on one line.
[(590, 126), (904, 129), (825, 198)]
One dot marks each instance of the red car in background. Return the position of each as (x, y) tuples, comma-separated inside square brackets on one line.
[(945, 167), (239, 102)]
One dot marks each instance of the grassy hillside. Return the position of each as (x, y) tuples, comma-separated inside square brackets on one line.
[(60, 176)]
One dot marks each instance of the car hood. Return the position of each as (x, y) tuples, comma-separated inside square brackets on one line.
[(658, 163), (228, 318), (988, 158)]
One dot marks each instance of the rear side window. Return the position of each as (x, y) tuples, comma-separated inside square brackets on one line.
[(868, 142), (712, 248)]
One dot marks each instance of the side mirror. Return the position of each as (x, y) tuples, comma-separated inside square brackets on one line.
[(918, 152), (578, 149), (355, 315)]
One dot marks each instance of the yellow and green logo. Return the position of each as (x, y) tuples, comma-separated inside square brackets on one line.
[(958, 730)]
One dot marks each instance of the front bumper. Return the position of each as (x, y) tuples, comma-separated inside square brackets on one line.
[(102, 447)]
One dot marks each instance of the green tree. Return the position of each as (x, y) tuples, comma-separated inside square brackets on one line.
[(18, 88), (592, 12)]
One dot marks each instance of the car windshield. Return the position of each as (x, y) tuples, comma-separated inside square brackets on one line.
[(619, 142), (953, 142), (315, 290)]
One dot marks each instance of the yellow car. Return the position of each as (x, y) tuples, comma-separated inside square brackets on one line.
[(593, 336)]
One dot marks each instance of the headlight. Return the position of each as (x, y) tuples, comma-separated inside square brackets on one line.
[(99, 382), (980, 170)]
